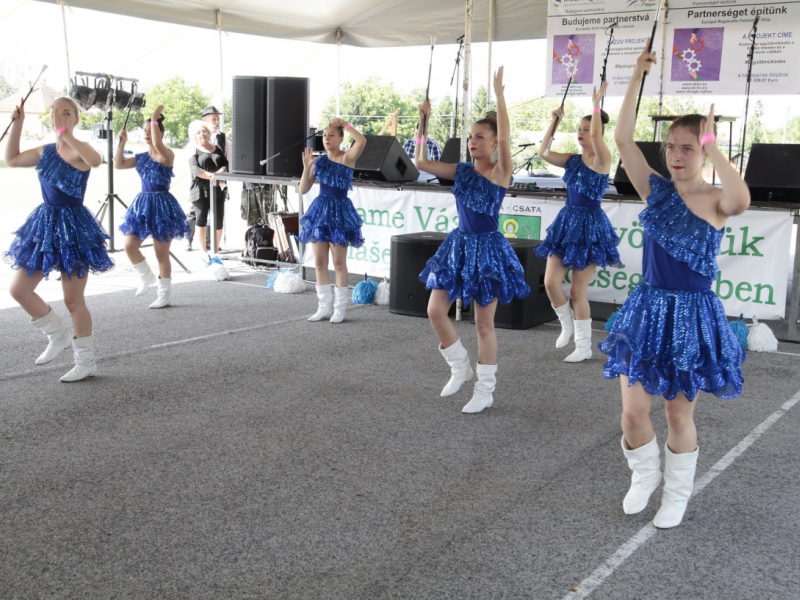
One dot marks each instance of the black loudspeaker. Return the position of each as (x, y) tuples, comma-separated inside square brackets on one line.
[(652, 152), (535, 308), (772, 173), (249, 124), (384, 159), (451, 154), (410, 254), (287, 124)]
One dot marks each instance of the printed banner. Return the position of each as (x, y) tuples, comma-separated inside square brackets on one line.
[(710, 45), (753, 262), (754, 259), (707, 41), (578, 40)]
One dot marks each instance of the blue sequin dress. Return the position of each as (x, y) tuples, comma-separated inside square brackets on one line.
[(332, 216), (60, 234), (672, 334), (475, 260), (154, 211), (581, 233)]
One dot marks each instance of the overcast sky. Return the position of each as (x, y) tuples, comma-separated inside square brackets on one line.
[(32, 34)]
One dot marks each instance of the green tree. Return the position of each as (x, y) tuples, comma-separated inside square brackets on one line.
[(182, 105), (227, 109)]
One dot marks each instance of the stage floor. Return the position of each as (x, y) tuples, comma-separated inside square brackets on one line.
[(229, 448)]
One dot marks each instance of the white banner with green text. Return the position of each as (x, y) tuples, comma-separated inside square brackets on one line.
[(753, 264)]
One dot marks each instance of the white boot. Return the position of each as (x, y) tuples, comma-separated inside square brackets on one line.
[(460, 370), (85, 365), (678, 483), (164, 297), (145, 275), (340, 304), (482, 395), (57, 334), (325, 307), (565, 316), (645, 462), (583, 342)]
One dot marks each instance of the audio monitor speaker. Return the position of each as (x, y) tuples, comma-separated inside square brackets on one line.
[(287, 124), (535, 308), (410, 254), (451, 154), (772, 173), (652, 152), (249, 124), (384, 159)]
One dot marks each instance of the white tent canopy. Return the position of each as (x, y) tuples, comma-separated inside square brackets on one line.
[(366, 23)]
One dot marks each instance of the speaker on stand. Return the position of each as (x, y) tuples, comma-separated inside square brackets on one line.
[(652, 152), (287, 101), (384, 159), (249, 124), (772, 174)]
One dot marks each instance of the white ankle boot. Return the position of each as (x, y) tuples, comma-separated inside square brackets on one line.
[(678, 483), (325, 307), (645, 462), (484, 387), (57, 334), (340, 304), (565, 317), (85, 365), (460, 370), (164, 297), (583, 342), (145, 275)]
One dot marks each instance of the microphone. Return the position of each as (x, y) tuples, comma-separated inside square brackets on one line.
[(756, 21), (614, 24), (526, 145)]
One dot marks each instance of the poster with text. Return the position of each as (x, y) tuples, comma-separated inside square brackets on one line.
[(711, 41), (582, 41)]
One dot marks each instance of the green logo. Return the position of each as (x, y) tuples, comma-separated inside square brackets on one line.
[(522, 227)]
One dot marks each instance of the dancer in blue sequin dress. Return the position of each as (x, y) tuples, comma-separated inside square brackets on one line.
[(671, 336), (475, 261), (60, 235), (331, 223), (581, 237), (154, 212)]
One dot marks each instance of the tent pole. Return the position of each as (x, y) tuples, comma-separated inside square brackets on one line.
[(465, 101), (489, 74), (221, 77), (338, 71), (663, 62), (66, 43)]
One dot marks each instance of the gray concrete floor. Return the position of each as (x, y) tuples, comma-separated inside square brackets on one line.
[(228, 448)]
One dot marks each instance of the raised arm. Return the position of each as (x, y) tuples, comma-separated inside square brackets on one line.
[(505, 166), (602, 155), (434, 167), (307, 179), (632, 158), (559, 159), (167, 156), (735, 193), (13, 157), (359, 141), (120, 162)]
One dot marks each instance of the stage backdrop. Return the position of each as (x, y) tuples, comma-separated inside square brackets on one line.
[(754, 263), (707, 45)]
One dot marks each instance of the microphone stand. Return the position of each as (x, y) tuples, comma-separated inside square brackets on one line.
[(456, 72), (750, 56), (605, 60)]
